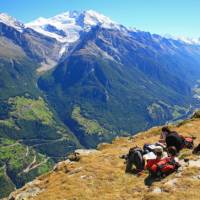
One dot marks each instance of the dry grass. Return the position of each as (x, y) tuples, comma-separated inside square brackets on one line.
[(101, 176)]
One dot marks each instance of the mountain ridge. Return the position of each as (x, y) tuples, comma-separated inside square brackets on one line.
[(72, 15), (5, 18), (100, 20)]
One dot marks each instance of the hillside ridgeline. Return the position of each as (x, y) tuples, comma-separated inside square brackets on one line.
[(100, 173)]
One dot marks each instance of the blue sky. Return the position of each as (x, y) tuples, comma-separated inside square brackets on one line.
[(176, 17)]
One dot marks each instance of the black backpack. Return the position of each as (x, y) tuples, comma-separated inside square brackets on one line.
[(135, 157)]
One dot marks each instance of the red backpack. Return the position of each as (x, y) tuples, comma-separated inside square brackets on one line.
[(164, 167)]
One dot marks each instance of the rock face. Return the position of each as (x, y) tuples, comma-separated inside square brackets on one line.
[(86, 151), (36, 46), (31, 192), (102, 174)]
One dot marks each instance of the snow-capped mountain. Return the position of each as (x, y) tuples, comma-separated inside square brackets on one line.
[(10, 21), (187, 40), (34, 45), (66, 27)]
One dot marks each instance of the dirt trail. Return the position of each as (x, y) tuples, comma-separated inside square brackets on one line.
[(11, 145), (27, 151), (33, 165), (28, 168)]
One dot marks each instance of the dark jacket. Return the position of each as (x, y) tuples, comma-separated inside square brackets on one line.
[(174, 139)]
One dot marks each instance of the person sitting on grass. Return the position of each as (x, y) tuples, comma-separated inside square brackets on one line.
[(171, 138), (164, 133)]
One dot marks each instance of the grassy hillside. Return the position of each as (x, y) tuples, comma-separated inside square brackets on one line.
[(101, 174), (90, 126), (19, 164), (31, 140), (89, 132), (32, 122)]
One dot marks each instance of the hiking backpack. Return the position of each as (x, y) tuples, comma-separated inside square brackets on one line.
[(164, 167), (135, 157)]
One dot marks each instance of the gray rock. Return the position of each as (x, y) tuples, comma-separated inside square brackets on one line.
[(27, 194), (86, 151), (196, 177), (157, 190), (75, 171)]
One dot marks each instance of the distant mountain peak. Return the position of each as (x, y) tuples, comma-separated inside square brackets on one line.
[(11, 21), (93, 18), (66, 27), (187, 40)]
